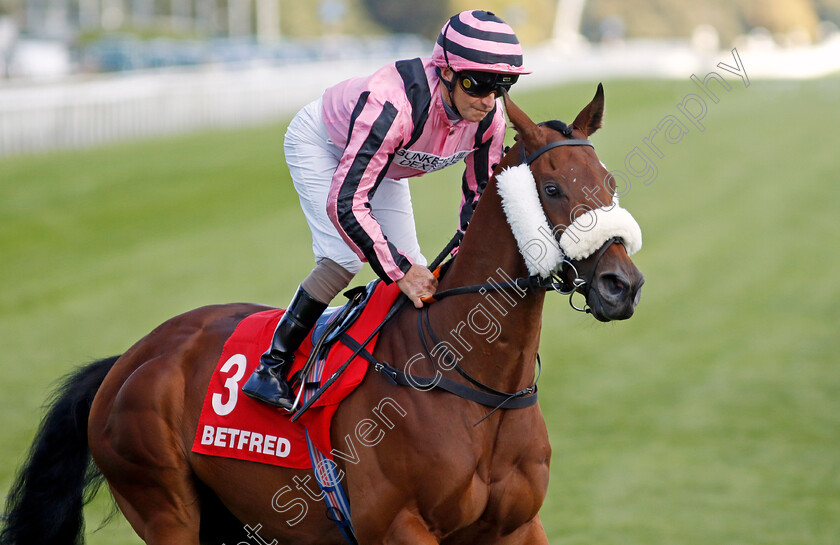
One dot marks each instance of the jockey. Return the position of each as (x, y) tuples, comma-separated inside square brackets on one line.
[(350, 151)]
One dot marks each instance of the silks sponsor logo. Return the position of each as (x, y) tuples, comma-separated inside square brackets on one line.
[(427, 162), (243, 440)]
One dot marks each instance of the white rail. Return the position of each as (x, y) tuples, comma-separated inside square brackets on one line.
[(85, 112), (78, 114)]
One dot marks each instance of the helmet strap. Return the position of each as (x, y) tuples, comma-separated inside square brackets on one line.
[(450, 85), (450, 88)]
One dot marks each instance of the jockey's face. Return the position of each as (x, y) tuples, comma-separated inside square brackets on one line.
[(471, 108)]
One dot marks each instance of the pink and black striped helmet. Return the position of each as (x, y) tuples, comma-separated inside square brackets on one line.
[(478, 40)]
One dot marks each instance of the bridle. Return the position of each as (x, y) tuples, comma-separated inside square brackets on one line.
[(555, 281), (479, 392), (577, 282)]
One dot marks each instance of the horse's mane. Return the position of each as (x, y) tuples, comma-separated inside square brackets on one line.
[(554, 124), (559, 126)]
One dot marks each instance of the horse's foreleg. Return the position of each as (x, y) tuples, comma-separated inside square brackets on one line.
[(408, 529), (531, 533)]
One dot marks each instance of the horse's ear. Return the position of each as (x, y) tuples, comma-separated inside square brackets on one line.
[(525, 128), (589, 119)]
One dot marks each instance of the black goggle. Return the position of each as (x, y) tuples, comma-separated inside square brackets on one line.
[(481, 84)]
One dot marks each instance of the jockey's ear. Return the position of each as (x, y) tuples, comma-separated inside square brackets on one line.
[(590, 118), (446, 76)]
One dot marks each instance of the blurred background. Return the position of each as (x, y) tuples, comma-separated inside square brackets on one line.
[(75, 73), (142, 175)]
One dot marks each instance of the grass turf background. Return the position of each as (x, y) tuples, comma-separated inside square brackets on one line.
[(712, 416)]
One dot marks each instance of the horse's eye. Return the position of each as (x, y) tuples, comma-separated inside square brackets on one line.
[(551, 190)]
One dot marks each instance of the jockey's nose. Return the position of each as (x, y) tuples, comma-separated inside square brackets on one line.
[(488, 101)]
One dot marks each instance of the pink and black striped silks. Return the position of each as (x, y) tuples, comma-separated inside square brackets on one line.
[(393, 124)]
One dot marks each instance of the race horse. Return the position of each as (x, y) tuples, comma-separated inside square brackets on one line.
[(448, 471)]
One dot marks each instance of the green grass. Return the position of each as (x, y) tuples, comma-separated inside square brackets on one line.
[(712, 416)]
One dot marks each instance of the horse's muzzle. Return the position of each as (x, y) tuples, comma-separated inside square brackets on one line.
[(616, 287), (614, 296)]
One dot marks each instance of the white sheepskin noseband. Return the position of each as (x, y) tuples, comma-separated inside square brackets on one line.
[(533, 234)]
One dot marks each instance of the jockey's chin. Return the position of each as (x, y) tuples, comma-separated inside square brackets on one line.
[(471, 108)]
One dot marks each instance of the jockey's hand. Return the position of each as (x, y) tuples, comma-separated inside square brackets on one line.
[(418, 282)]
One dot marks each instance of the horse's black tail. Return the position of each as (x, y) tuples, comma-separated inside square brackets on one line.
[(59, 477)]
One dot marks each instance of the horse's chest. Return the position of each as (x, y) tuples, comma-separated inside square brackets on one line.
[(517, 485), (502, 489)]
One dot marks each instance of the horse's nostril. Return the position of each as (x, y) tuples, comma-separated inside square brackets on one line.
[(614, 285)]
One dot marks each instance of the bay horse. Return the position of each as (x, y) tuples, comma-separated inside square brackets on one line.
[(436, 476)]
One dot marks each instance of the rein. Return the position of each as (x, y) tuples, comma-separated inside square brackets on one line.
[(491, 396)]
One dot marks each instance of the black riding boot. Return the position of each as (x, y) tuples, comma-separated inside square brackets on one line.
[(268, 381)]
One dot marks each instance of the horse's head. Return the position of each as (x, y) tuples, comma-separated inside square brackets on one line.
[(593, 235)]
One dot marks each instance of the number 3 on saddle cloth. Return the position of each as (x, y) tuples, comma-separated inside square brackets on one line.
[(233, 425)]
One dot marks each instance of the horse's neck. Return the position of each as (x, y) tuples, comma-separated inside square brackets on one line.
[(502, 328)]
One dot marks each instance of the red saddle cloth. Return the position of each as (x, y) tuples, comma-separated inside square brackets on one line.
[(233, 425)]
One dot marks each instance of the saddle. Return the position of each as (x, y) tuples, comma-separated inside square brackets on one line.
[(236, 426), (337, 320), (332, 325)]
